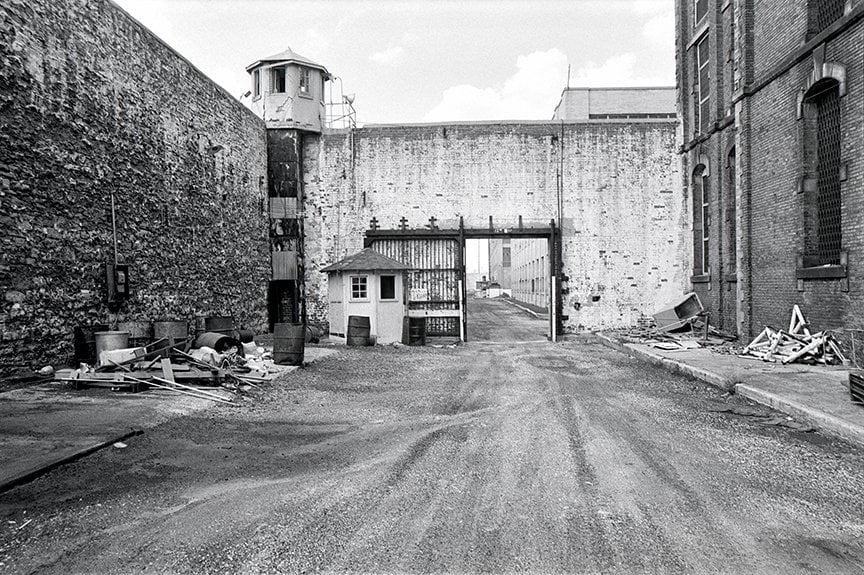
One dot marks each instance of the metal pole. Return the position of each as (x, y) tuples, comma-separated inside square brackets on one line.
[(114, 227), (554, 312), (461, 314)]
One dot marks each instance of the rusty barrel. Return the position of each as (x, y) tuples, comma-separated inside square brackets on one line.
[(358, 330), (219, 324), (288, 343), (416, 331)]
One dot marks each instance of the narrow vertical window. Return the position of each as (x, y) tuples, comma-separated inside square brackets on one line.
[(700, 10), (305, 80), (828, 227), (256, 83), (731, 214), (703, 85), (701, 221), (277, 80)]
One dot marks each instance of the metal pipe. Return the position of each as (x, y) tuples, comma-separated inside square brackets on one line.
[(554, 312), (461, 314), (114, 227)]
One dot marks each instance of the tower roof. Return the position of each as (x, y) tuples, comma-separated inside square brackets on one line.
[(287, 57)]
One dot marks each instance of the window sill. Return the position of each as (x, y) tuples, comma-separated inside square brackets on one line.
[(305, 95), (822, 272), (701, 279), (731, 278)]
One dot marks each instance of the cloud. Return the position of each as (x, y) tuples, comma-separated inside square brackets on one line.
[(389, 57), (531, 93), (620, 70), (660, 30)]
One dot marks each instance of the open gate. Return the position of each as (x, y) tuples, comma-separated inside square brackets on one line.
[(436, 282)]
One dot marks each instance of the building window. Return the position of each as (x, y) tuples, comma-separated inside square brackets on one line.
[(702, 92), (731, 214), (305, 80), (823, 13), (701, 221), (256, 83), (388, 287), (700, 9), (359, 288), (822, 147), (277, 80)]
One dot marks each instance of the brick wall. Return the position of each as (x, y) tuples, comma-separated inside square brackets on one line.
[(623, 210), (91, 103)]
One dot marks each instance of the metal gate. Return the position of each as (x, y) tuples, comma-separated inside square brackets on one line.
[(435, 279)]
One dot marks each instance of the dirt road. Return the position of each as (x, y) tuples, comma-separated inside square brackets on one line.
[(499, 320), (487, 457)]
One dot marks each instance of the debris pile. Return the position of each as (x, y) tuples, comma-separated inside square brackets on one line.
[(214, 361), (796, 344)]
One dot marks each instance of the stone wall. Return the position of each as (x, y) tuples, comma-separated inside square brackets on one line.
[(624, 222), (92, 104)]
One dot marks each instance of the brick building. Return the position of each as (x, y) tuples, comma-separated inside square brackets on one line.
[(530, 272), (499, 263), (770, 94)]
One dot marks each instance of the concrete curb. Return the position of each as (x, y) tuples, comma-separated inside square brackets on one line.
[(814, 417), (818, 419), (724, 383), (36, 472), (525, 309)]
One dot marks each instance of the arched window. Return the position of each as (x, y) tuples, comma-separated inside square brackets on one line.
[(701, 220), (822, 165)]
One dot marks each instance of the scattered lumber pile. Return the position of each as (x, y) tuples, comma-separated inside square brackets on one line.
[(179, 368), (796, 344)]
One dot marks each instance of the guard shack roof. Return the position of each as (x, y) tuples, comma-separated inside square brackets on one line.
[(366, 260), (287, 57)]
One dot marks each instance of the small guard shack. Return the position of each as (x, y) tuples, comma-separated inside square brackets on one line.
[(372, 285)]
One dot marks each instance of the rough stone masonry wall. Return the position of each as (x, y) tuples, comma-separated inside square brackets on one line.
[(624, 221), (92, 103)]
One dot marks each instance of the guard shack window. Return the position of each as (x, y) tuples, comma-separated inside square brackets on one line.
[(277, 80), (359, 287), (256, 83), (388, 287)]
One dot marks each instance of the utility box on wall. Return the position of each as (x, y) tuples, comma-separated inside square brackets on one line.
[(117, 277)]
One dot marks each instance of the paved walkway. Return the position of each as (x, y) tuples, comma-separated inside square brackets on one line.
[(46, 425), (817, 395), (501, 320)]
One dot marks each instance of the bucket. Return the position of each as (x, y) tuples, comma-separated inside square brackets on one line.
[(170, 329), (358, 330), (84, 342), (109, 340), (288, 343), (416, 331), (219, 324)]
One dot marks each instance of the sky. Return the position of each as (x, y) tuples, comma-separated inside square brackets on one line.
[(413, 61)]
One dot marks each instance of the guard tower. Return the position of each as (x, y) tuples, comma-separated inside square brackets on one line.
[(288, 93)]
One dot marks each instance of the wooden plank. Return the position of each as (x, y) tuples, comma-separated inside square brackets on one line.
[(167, 372)]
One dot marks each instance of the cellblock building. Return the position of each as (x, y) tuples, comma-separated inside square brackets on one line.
[(771, 101)]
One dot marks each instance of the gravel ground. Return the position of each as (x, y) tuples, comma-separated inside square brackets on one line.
[(485, 457)]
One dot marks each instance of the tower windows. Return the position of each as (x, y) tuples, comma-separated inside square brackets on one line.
[(277, 80), (305, 80), (256, 83)]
